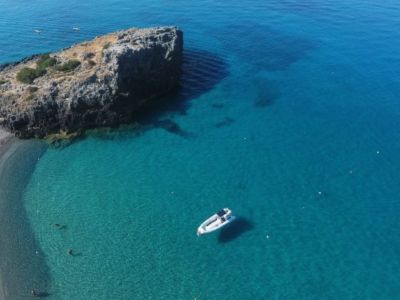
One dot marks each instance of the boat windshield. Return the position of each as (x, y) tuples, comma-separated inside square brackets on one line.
[(221, 213)]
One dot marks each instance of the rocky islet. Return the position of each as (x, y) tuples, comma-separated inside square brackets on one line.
[(98, 83)]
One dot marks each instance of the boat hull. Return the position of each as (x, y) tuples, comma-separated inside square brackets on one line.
[(204, 229)]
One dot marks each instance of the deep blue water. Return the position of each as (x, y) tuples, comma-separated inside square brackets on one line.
[(288, 114)]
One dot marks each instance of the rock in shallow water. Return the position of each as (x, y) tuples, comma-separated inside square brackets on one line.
[(91, 84)]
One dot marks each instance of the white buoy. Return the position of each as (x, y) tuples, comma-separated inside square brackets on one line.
[(320, 193), (267, 236), (351, 172), (377, 152)]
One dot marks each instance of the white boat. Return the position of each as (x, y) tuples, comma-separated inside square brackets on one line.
[(215, 222), (76, 28)]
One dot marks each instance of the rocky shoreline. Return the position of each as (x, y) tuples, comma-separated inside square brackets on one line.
[(98, 83)]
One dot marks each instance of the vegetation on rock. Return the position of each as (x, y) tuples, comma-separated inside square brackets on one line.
[(32, 89), (27, 75), (68, 66), (30, 97), (45, 61), (105, 47)]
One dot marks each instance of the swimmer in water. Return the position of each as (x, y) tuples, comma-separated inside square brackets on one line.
[(33, 292)]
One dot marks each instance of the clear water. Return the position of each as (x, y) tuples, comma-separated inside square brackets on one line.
[(288, 115)]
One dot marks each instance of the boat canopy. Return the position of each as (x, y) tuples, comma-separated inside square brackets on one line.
[(221, 213)]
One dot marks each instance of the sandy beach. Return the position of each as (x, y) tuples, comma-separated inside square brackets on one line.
[(5, 141), (22, 265)]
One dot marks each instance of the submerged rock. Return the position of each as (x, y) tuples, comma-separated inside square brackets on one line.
[(102, 82)]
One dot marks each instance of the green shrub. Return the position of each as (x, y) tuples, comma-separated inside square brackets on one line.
[(45, 61), (68, 66), (106, 46), (27, 75), (32, 89), (2, 81), (43, 57), (91, 63), (40, 72)]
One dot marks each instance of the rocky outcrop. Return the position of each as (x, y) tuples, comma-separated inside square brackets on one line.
[(98, 83)]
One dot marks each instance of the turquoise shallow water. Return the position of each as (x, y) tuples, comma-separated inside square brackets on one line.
[(280, 100)]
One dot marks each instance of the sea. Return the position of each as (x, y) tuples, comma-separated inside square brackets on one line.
[(288, 113)]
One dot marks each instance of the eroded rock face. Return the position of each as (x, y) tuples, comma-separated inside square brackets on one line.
[(118, 74)]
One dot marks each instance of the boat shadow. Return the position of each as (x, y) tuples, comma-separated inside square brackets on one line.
[(42, 295), (235, 230), (78, 254)]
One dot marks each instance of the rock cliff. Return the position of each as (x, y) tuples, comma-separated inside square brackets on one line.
[(102, 82)]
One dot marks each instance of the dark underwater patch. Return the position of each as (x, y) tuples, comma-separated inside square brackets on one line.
[(217, 105), (305, 7), (226, 122), (241, 186), (274, 49), (267, 92), (171, 127)]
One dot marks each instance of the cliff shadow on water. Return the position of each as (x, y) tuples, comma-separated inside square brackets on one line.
[(201, 72), (22, 264)]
